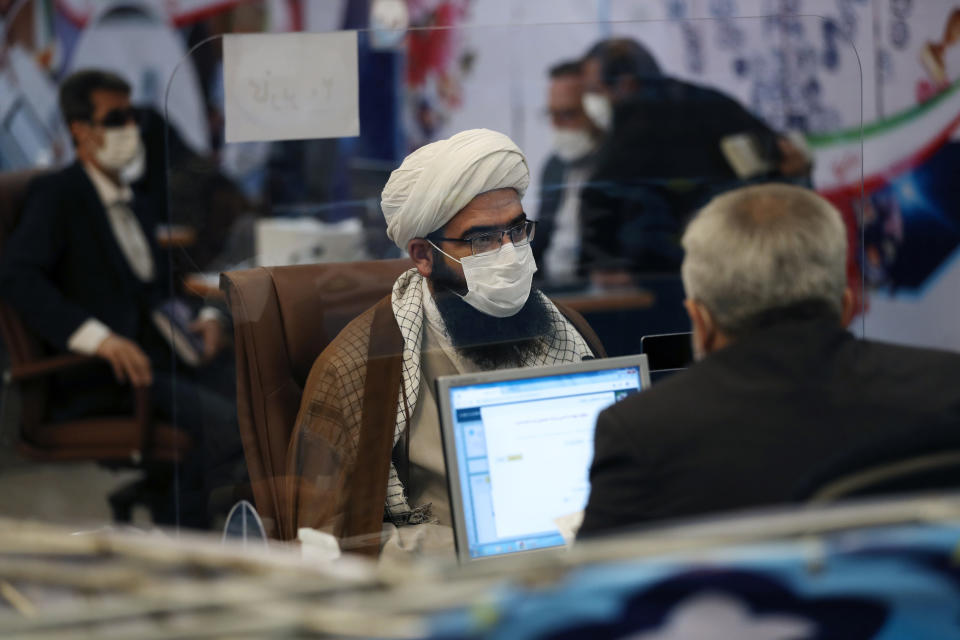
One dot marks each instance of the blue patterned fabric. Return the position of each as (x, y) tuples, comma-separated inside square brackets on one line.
[(879, 584)]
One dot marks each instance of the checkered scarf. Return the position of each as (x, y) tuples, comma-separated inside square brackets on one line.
[(564, 344)]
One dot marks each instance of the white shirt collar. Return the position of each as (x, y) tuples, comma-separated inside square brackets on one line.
[(109, 192)]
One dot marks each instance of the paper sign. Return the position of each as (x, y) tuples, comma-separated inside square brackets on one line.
[(290, 86)]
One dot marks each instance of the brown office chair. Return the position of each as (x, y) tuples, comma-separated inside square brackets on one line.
[(117, 440), (283, 318)]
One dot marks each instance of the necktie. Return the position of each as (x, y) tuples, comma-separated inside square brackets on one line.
[(132, 241)]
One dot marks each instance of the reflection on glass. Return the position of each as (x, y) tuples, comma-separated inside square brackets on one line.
[(624, 138)]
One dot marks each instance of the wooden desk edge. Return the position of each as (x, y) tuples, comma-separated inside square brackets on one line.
[(613, 301)]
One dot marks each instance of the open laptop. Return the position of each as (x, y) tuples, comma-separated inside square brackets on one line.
[(518, 444)]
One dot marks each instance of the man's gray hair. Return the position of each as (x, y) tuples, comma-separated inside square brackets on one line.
[(764, 247)]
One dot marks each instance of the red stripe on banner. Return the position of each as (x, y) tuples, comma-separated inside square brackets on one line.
[(844, 198), (296, 15), (206, 12), (79, 20), (879, 180)]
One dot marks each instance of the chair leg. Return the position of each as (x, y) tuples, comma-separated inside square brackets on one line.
[(124, 499), (152, 491), (188, 507), (9, 409)]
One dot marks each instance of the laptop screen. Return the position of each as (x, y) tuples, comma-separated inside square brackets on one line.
[(523, 451)]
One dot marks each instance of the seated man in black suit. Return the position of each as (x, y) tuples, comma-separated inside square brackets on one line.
[(575, 141), (783, 398), (83, 270)]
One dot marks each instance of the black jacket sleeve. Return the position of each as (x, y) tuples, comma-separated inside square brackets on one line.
[(601, 219), (29, 258)]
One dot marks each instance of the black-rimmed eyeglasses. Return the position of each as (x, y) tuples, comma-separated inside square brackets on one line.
[(520, 235)]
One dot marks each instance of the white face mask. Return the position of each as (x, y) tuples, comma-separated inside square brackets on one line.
[(572, 144), (498, 283), (598, 108), (135, 169), (121, 147)]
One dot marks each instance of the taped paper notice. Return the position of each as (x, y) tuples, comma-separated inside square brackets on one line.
[(290, 86)]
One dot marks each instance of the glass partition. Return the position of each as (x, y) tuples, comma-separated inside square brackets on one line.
[(630, 118), (368, 344), (280, 230)]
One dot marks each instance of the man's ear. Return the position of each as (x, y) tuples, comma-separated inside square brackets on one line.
[(705, 335), (78, 131), (421, 252), (625, 86), (849, 307)]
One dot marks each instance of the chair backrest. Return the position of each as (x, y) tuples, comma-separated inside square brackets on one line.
[(22, 347), (283, 318), (930, 472)]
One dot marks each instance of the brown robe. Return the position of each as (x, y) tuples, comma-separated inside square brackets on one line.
[(340, 452)]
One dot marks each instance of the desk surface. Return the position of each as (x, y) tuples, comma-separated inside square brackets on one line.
[(600, 301), (176, 236)]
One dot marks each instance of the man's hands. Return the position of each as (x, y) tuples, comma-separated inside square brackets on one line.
[(131, 364), (793, 161), (211, 332), (127, 359)]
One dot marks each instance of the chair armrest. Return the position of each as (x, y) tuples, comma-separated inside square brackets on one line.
[(48, 366), (142, 402)]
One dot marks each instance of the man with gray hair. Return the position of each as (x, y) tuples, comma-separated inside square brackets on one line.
[(782, 399)]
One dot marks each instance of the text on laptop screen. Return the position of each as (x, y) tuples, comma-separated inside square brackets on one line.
[(524, 449)]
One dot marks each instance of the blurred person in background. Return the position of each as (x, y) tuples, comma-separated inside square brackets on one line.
[(366, 449), (672, 145), (575, 141), (84, 271), (783, 399)]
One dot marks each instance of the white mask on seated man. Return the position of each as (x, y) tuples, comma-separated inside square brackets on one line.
[(455, 206)]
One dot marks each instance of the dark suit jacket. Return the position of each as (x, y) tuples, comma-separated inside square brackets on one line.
[(551, 193), (661, 163), (766, 420), (62, 265)]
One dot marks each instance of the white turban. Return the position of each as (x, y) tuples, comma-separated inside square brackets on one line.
[(441, 178)]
